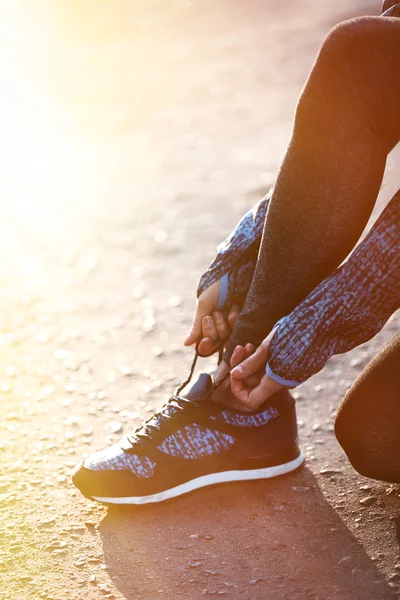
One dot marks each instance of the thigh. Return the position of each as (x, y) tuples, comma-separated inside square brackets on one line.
[(368, 421), (347, 121)]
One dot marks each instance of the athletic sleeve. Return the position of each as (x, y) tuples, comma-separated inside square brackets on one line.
[(346, 309), (236, 258)]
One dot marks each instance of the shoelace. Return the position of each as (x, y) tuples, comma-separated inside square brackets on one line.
[(178, 403)]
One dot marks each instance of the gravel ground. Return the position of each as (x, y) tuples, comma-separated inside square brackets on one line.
[(134, 137)]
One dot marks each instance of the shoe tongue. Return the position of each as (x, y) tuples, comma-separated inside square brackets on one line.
[(202, 385)]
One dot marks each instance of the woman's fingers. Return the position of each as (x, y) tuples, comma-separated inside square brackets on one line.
[(263, 391), (248, 391), (223, 395), (210, 341), (233, 314), (257, 361), (238, 386), (214, 331), (240, 391), (250, 397), (206, 347), (206, 304), (209, 330), (221, 326), (196, 328), (237, 356), (209, 323), (253, 387), (248, 350), (240, 354), (253, 363)]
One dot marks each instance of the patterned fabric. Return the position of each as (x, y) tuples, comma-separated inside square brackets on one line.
[(346, 309), (194, 441), (241, 420), (239, 281), (116, 459), (237, 256), (190, 442)]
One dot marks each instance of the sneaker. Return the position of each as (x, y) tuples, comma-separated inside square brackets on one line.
[(190, 443)]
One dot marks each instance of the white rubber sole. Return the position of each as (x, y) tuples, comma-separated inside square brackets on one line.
[(205, 480)]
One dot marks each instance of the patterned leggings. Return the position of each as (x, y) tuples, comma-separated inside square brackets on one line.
[(347, 121)]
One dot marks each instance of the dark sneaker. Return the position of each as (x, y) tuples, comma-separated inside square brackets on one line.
[(190, 443)]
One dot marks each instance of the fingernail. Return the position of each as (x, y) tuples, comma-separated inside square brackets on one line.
[(237, 370)]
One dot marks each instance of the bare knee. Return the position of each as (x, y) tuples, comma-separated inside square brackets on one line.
[(345, 68), (354, 39)]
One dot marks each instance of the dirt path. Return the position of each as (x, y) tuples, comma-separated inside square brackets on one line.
[(134, 138)]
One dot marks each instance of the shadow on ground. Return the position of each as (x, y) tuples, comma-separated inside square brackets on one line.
[(258, 540)]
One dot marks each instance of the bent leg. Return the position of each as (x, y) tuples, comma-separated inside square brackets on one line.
[(346, 123), (368, 421)]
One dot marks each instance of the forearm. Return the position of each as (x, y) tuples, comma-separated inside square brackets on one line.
[(346, 309), (346, 123)]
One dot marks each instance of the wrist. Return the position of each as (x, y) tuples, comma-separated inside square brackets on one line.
[(289, 383)]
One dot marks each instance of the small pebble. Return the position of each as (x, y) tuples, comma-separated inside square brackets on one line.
[(174, 301), (329, 471), (80, 562), (71, 387), (356, 362), (115, 427), (46, 523), (368, 501), (126, 371), (148, 324), (255, 581), (158, 351)]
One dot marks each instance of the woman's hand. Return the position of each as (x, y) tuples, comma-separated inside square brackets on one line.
[(250, 384), (210, 328)]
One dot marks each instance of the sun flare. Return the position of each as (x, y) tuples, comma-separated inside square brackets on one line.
[(44, 156)]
